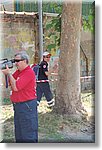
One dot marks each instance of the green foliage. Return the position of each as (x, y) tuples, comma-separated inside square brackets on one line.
[(51, 46), (51, 6), (89, 21), (6, 101), (55, 24)]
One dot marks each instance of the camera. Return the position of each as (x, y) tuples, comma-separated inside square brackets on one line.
[(7, 62)]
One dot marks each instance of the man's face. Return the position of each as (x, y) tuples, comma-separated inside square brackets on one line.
[(47, 58), (20, 63)]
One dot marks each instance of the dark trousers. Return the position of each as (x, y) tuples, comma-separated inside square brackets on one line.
[(44, 88), (26, 122)]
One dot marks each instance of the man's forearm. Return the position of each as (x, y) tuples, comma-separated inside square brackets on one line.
[(51, 72), (12, 82)]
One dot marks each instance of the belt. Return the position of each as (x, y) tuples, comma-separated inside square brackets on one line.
[(15, 103)]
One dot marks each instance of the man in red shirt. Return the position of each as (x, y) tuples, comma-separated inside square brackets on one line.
[(23, 97)]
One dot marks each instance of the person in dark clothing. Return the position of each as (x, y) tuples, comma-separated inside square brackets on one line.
[(43, 86)]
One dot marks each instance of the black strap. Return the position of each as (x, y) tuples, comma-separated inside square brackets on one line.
[(6, 80)]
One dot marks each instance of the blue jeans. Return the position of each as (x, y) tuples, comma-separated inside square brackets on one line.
[(26, 122)]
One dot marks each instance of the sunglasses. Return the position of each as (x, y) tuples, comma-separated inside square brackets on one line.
[(18, 60), (47, 57)]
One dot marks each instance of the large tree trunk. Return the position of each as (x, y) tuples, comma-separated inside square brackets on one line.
[(68, 89)]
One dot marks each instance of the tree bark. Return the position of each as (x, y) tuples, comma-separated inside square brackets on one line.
[(68, 88)]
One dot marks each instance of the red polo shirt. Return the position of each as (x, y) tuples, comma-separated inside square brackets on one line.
[(26, 85)]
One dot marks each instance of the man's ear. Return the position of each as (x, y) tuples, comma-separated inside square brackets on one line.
[(25, 61)]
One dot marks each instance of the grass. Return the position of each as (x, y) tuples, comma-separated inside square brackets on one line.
[(6, 101), (52, 127)]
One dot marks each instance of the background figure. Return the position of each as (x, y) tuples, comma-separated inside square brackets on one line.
[(43, 86), (23, 97)]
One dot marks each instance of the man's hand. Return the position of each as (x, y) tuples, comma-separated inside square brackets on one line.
[(6, 71), (12, 81)]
